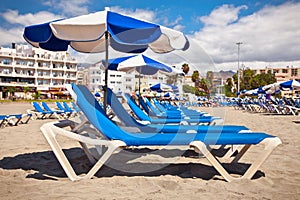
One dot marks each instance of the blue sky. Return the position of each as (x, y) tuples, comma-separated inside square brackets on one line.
[(269, 30)]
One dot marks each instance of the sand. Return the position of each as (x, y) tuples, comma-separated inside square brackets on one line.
[(29, 170)]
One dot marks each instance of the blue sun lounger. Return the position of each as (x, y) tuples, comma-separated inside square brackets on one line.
[(40, 113), (115, 139), (3, 120), (62, 107), (160, 111), (129, 121), (60, 113), (16, 119), (144, 117)]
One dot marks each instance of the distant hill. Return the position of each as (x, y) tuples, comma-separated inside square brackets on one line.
[(83, 65), (224, 74)]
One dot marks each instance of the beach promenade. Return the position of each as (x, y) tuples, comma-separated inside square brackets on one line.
[(29, 170)]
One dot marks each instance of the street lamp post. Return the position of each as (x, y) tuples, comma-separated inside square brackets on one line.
[(238, 74)]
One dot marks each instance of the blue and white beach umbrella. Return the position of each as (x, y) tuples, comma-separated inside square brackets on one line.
[(93, 33), (140, 63), (291, 84), (161, 87), (88, 33)]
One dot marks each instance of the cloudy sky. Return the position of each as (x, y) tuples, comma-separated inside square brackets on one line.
[(269, 30)]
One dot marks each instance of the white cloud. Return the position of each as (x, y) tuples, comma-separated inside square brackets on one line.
[(10, 36), (69, 8), (269, 35), (150, 16), (18, 22), (143, 14), (13, 17), (222, 16)]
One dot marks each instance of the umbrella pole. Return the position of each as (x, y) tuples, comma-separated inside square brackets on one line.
[(106, 71), (139, 86)]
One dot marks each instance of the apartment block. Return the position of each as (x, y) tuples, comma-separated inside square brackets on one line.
[(40, 70)]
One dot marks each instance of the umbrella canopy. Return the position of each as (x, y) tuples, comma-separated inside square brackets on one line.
[(93, 33), (291, 84), (169, 94), (161, 87), (283, 85), (255, 92), (86, 33), (174, 88), (140, 63), (97, 94), (271, 88)]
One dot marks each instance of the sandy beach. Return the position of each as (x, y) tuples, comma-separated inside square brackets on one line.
[(29, 170)]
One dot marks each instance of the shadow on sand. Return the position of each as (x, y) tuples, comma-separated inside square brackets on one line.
[(45, 165)]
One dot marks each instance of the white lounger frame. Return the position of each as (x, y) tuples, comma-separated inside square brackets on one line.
[(51, 130)]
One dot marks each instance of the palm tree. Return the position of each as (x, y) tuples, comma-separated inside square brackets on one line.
[(185, 68), (26, 90), (11, 90), (205, 85), (195, 76), (229, 87)]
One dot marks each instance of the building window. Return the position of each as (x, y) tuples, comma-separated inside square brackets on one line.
[(284, 71), (30, 63), (294, 72), (6, 61)]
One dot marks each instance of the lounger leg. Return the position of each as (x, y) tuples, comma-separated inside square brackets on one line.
[(200, 146), (232, 149), (15, 123), (269, 143), (50, 137), (57, 150), (28, 118), (240, 153)]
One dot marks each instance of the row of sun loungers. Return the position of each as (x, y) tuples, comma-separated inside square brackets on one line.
[(40, 111), (62, 110), (94, 130), (282, 106)]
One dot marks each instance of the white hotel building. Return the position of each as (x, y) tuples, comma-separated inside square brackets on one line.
[(26, 66), (46, 71), (121, 81)]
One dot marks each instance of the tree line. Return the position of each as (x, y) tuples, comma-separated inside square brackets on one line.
[(204, 86)]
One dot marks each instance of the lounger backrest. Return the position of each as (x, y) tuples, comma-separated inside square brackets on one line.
[(59, 106), (117, 107), (137, 111), (37, 107), (45, 105), (160, 106), (75, 106), (95, 114), (122, 114), (67, 107), (144, 105), (153, 109)]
